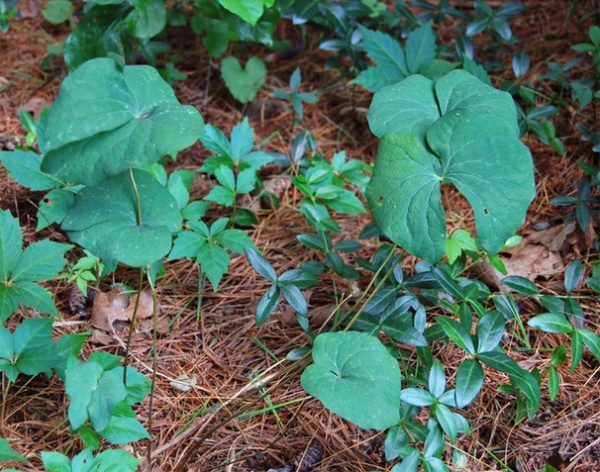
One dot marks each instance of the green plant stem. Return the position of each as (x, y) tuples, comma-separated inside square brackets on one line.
[(154, 363), (138, 203), (5, 389), (132, 324)]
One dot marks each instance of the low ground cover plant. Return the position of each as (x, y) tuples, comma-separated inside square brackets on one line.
[(104, 154)]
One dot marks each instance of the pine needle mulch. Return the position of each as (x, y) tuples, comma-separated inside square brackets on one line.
[(247, 411)]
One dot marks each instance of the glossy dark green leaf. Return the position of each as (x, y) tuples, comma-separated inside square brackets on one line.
[(520, 285), (573, 275), (469, 380), (267, 303), (260, 264), (551, 323), (490, 330), (457, 332)]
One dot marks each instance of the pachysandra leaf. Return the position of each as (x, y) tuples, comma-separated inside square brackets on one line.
[(104, 219), (130, 117), (355, 377)]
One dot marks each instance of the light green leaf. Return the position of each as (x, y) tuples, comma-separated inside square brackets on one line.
[(390, 59), (35, 296), (350, 370), (116, 459), (108, 393), (214, 261), (420, 48), (437, 379), (187, 244), (123, 430), (248, 10), (56, 462), (130, 117), (9, 300), (80, 383), (57, 11), (34, 345), (446, 419), (417, 397), (243, 83), (104, 219), (235, 240), (591, 340)]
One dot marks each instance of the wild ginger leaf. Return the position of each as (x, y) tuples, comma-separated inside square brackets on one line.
[(129, 117), (471, 139), (342, 377), (104, 219), (243, 82)]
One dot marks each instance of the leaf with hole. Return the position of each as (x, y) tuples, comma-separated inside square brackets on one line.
[(350, 370), (457, 130)]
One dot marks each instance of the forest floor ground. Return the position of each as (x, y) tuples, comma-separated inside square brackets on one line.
[(213, 335)]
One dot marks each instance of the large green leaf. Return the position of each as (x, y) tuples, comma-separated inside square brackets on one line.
[(104, 219), (106, 120), (459, 131), (355, 377)]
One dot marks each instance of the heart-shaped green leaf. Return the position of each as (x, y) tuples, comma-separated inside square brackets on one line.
[(104, 219), (106, 120), (457, 130), (355, 377), (243, 83)]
